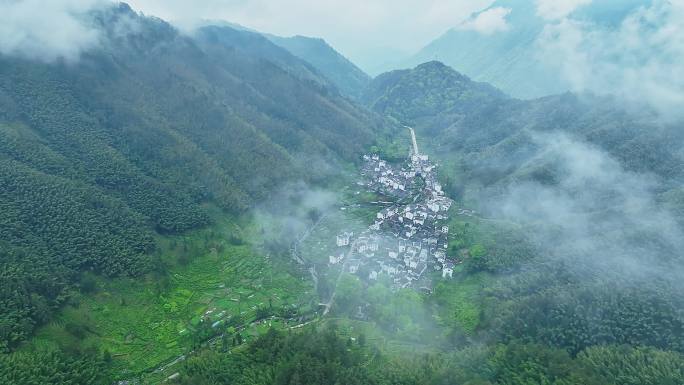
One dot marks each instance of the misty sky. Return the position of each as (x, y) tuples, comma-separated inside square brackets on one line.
[(372, 33), (367, 31), (641, 58)]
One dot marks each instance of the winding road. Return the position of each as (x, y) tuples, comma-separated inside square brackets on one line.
[(347, 257), (414, 142)]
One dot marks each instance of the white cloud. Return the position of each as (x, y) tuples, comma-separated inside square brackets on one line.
[(46, 30), (558, 9), (597, 213), (642, 60), (488, 22)]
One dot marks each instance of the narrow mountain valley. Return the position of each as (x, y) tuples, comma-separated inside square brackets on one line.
[(218, 205)]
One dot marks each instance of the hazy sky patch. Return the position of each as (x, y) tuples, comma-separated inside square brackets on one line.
[(642, 60), (558, 9), (46, 30), (364, 31), (488, 22)]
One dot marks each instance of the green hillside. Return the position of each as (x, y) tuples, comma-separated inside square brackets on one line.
[(485, 128), (577, 220), (425, 92), (140, 137), (221, 206), (346, 76)]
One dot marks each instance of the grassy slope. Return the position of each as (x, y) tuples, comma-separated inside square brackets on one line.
[(141, 322), (459, 300)]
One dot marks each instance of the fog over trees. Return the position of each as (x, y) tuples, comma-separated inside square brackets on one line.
[(172, 200)]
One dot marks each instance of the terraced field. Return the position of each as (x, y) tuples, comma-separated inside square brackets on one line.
[(144, 322)]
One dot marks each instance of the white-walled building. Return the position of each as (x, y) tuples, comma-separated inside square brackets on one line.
[(334, 260), (344, 239)]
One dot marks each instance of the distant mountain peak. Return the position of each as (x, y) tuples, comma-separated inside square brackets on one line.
[(440, 67), (426, 90), (124, 8), (510, 58), (436, 64), (325, 65), (311, 38), (346, 76)]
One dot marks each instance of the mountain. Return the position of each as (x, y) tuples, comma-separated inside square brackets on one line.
[(425, 92), (140, 137), (321, 58), (589, 190), (509, 59), (489, 130), (344, 74), (169, 205), (257, 46)]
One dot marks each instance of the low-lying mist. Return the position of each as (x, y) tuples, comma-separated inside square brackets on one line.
[(590, 213), (293, 210), (639, 60)]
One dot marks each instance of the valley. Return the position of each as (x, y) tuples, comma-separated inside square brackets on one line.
[(145, 323), (217, 205), (227, 285)]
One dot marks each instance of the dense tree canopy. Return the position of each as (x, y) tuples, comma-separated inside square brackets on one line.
[(53, 367), (140, 136)]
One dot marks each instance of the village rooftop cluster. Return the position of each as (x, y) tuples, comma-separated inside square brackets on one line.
[(408, 239)]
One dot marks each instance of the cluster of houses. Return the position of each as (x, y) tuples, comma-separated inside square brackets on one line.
[(383, 178), (407, 240)]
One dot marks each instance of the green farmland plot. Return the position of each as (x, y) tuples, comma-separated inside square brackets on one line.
[(459, 301), (146, 321)]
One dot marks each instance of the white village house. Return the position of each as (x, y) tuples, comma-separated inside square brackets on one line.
[(344, 239)]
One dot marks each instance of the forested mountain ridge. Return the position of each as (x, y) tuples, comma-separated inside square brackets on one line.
[(349, 78), (258, 46), (512, 58), (140, 133), (506, 58), (581, 197), (174, 208), (464, 116), (603, 163), (322, 62), (425, 92)]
